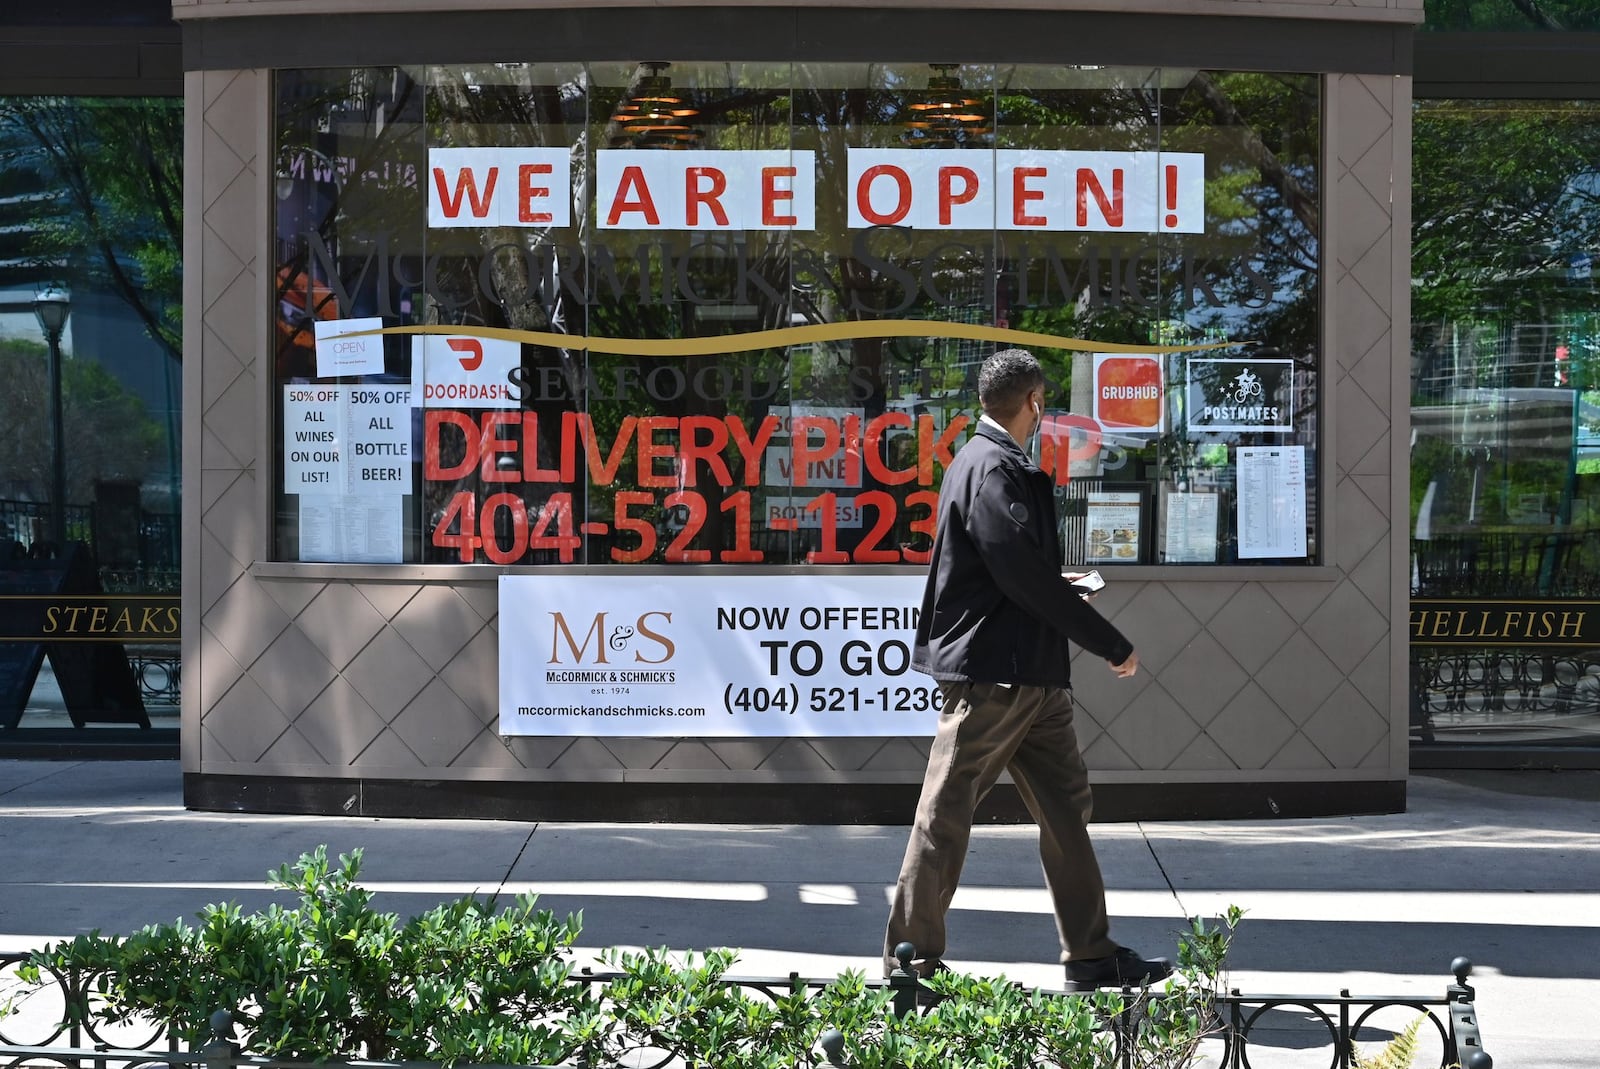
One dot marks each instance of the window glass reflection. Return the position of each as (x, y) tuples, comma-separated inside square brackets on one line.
[(91, 234), (1505, 442), (707, 313), (1509, 16)]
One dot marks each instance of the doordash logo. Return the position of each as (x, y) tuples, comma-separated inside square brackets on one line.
[(472, 347), (460, 372)]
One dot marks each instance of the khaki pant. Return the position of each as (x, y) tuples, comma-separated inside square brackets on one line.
[(984, 728)]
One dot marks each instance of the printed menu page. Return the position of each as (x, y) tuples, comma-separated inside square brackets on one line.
[(1272, 501), (1191, 536), (350, 530)]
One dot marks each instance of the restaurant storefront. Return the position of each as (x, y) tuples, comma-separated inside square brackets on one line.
[(568, 422), (1505, 433), (91, 488)]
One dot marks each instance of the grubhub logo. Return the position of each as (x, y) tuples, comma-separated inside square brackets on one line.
[(595, 645)]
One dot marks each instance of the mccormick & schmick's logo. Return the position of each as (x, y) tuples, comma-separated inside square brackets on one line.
[(603, 648)]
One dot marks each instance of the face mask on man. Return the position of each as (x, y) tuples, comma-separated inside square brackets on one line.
[(1033, 439)]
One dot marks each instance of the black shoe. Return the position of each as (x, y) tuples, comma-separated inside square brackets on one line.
[(1124, 968)]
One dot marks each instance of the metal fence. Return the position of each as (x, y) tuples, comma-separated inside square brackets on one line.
[(1246, 1031), (1511, 695), (27, 523)]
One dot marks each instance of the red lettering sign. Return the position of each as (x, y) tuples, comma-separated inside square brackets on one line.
[(1021, 194), (641, 201), (697, 195), (1089, 185), (902, 183), (466, 188), (771, 194), (948, 197), (527, 193)]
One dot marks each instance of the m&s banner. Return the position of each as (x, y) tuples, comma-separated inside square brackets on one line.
[(712, 656)]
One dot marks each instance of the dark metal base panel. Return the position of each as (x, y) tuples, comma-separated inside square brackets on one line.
[(89, 744), (746, 803)]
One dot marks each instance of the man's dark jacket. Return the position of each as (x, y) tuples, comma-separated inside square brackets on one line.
[(996, 608)]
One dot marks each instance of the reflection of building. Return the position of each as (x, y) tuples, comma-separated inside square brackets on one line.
[(1504, 515), (68, 65), (41, 196), (27, 202)]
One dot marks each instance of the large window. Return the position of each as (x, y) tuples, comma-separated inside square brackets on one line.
[(90, 354), (1505, 454), (731, 314)]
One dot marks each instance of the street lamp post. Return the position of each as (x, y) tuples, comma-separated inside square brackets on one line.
[(52, 307)]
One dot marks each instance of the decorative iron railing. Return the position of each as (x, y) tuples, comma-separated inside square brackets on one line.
[(41, 1031), (159, 672), (1507, 565), (25, 523), (1541, 695)]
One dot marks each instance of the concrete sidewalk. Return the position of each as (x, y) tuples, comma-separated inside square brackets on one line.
[(1501, 867)]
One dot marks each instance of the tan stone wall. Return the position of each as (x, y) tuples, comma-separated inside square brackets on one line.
[(1252, 674)]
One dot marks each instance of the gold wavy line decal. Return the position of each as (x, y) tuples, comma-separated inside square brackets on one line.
[(783, 336)]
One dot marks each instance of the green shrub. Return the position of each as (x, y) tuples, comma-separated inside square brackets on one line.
[(333, 978)]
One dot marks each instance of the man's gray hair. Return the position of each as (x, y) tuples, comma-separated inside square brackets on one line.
[(1005, 379)]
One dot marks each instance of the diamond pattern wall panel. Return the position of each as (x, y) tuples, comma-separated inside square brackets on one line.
[(397, 677), (489, 751), (339, 723), (1155, 730), (238, 721)]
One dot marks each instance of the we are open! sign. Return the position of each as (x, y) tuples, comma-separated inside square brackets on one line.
[(776, 189)]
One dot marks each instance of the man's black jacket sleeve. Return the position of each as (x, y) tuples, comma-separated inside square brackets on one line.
[(1001, 524)]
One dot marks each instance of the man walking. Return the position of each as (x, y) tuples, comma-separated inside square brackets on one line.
[(997, 615)]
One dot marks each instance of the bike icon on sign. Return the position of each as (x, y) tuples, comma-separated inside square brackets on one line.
[(1246, 388)]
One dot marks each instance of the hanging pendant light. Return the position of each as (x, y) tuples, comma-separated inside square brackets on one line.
[(655, 115), (946, 116)]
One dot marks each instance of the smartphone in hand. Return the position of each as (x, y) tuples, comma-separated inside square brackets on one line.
[(1088, 583)]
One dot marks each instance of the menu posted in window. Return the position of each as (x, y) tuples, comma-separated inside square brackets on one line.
[(1113, 533), (1272, 501)]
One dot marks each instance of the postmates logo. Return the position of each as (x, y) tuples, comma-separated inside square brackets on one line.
[(1129, 393)]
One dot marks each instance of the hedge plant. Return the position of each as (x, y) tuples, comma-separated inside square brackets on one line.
[(332, 977)]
